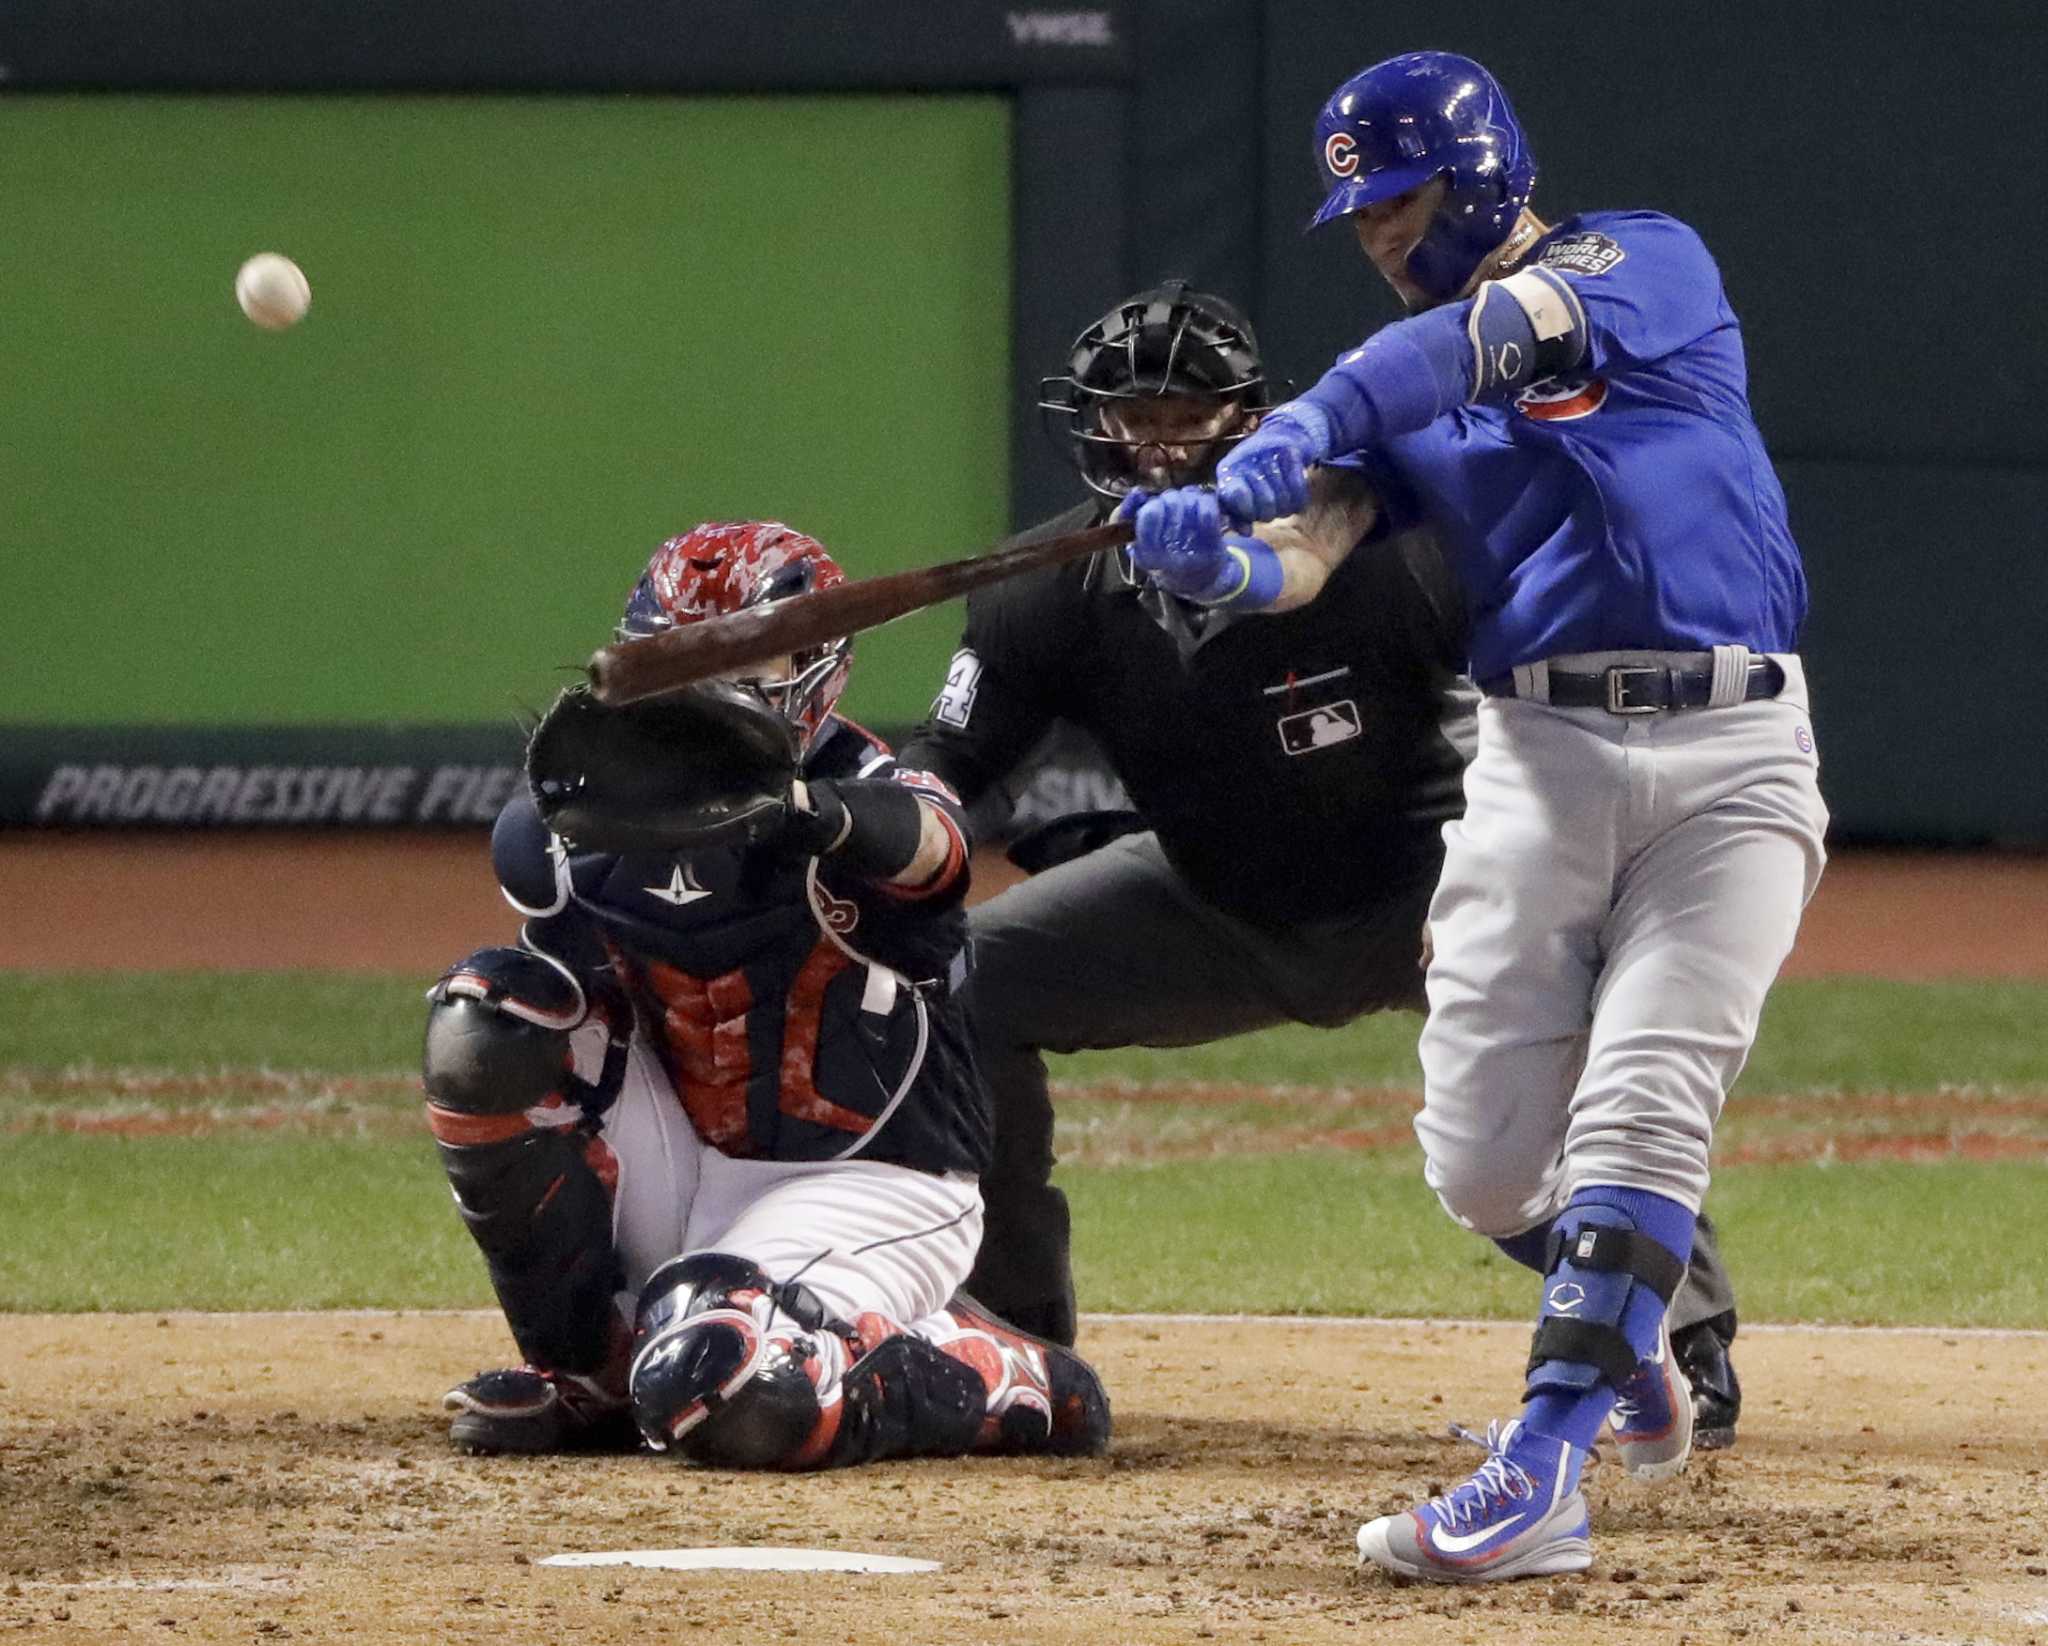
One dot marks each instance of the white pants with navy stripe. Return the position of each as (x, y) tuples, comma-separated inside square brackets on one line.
[(1615, 902), (863, 1235)]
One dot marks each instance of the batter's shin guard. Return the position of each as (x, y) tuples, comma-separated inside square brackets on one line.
[(733, 1369), (1598, 1264), (536, 1197), (1608, 1282)]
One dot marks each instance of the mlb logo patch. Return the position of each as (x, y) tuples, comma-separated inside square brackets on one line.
[(1319, 727), (1582, 254)]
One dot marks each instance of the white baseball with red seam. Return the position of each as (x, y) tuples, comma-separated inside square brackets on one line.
[(272, 290)]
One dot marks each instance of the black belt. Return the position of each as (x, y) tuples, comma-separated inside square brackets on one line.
[(1643, 688)]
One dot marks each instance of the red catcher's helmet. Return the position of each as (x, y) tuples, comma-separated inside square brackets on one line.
[(724, 567)]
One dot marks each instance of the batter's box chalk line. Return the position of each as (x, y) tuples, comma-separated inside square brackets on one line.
[(747, 1560)]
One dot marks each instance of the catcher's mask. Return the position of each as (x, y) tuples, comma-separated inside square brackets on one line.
[(724, 567), (1166, 345)]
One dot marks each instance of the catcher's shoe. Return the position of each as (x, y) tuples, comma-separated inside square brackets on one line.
[(1041, 1397), (1702, 1350), (1652, 1422), (524, 1410), (1521, 1515)]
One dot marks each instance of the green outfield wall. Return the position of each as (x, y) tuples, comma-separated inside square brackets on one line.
[(546, 332), (584, 273)]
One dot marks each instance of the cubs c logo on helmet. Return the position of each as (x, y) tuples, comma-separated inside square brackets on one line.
[(1340, 154)]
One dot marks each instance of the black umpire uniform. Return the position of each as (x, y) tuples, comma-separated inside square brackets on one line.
[(1291, 775)]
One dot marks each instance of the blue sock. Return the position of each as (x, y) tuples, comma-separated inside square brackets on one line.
[(1571, 1400), (1664, 1221), (1539, 1453)]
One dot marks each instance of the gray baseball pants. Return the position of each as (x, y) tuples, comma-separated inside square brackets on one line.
[(1114, 949)]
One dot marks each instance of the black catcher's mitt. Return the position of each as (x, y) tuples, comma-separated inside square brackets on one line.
[(708, 765)]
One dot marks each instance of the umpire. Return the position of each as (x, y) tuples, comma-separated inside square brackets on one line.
[(1290, 775)]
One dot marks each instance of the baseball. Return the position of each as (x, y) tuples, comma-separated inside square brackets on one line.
[(272, 290)]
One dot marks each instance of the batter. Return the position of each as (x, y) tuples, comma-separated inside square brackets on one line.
[(1567, 406), (1343, 724)]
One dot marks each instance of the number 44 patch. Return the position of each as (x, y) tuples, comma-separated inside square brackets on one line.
[(955, 702)]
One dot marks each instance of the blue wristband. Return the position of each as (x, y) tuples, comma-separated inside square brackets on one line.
[(1254, 576)]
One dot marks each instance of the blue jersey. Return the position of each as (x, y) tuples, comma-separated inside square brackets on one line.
[(1627, 503)]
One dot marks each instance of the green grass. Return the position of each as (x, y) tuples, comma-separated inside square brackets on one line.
[(1359, 1234), (230, 1222), (271, 1222), (1851, 1036), (1250, 1203), (1834, 1035), (333, 1023)]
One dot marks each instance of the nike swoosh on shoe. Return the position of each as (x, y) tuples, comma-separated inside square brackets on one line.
[(1456, 1543)]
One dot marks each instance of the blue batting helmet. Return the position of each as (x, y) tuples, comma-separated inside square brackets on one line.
[(1396, 125)]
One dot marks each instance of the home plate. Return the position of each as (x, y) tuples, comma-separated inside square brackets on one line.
[(747, 1560)]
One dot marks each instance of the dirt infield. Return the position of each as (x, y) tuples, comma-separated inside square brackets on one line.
[(398, 902), (285, 1478)]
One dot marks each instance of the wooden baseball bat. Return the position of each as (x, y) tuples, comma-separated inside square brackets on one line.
[(629, 670)]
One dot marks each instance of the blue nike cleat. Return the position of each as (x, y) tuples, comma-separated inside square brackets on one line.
[(1651, 1424), (1521, 1515)]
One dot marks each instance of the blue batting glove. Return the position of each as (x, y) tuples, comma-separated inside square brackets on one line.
[(1180, 545), (1134, 500), (1265, 475)]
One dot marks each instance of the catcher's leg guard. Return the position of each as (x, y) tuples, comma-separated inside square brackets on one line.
[(907, 1397), (1041, 1396), (732, 1369), (736, 1370), (516, 1133)]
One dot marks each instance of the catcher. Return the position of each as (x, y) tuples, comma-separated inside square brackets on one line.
[(714, 1121)]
